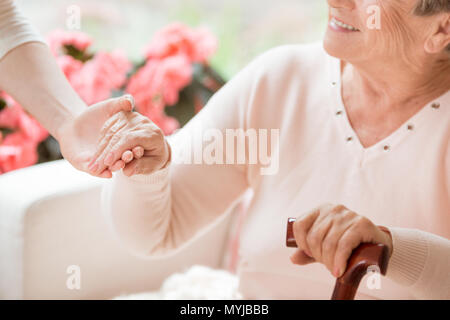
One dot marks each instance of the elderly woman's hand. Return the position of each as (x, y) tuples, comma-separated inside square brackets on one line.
[(329, 233), (132, 142)]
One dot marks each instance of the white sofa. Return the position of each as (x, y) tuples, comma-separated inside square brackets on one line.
[(50, 219)]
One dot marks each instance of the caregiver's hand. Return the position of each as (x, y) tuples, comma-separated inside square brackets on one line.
[(329, 233), (79, 137), (121, 141)]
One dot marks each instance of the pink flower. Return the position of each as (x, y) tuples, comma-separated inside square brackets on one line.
[(178, 39), (175, 74), (99, 76), (31, 128), (15, 117), (167, 124), (69, 65), (9, 117), (158, 84), (59, 38), (17, 151), (145, 89)]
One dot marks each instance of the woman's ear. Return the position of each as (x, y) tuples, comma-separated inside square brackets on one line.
[(439, 40)]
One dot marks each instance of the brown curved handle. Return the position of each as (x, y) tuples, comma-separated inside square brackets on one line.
[(363, 257)]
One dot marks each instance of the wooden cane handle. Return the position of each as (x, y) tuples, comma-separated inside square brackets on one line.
[(364, 256)]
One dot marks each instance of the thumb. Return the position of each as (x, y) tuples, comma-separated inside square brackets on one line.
[(110, 107), (301, 258)]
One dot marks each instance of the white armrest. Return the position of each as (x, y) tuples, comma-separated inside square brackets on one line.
[(50, 219)]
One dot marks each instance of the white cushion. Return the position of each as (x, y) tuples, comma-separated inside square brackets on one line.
[(50, 219)]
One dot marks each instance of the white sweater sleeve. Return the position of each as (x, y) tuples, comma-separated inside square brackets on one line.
[(421, 262), (14, 28)]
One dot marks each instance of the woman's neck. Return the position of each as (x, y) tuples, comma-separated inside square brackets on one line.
[(391, 87)]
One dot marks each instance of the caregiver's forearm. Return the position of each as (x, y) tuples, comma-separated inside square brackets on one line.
[(420, 261), (29, 74)]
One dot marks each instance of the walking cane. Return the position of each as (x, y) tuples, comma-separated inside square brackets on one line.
[(363, 257)]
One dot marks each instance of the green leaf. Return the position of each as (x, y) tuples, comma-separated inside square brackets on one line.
[(77, 54), (2, 104)]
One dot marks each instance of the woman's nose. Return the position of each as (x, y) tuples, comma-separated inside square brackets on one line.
[(342, 4)]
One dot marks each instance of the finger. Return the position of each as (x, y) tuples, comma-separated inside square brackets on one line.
[(316, 234), (118, 165), (347, 243), (127, 156), (301, 258), (146, 165), (110, 128), (138, 152), (111, 106), (330, 243), (105, 174), (301, 228), (111, 138), (148, 141), (99, 163)]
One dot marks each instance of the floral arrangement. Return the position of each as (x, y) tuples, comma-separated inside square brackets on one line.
[(171, 83)]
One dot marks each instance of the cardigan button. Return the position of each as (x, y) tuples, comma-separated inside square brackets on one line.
[(386, 148), (436, 105), (339, 113), (410, 127), (349, 139)]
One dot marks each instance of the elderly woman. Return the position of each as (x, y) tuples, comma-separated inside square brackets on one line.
[(364, 150)]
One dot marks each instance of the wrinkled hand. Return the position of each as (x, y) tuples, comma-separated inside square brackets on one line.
[(78, 138), (132, 142), (329, 233)]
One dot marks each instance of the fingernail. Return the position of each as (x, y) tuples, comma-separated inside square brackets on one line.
[(337, 272), (109, 159), (130, 98)]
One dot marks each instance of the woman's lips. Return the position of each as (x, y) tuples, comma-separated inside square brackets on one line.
[(340, 26)]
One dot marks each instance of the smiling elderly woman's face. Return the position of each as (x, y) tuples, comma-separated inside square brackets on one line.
[(362, 30)]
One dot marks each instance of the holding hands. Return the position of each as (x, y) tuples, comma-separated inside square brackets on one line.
[(132, 142), (108, 137)]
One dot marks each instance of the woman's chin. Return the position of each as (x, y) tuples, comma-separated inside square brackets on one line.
[(336, 47)]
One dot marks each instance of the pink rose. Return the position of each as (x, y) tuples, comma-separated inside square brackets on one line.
[(144, 86), (9, 117), (99, 76), (178, 39), (159, 82), (58, 39), (15, 117), (17, 151), (69, 65), (31, 127), (175, 74)]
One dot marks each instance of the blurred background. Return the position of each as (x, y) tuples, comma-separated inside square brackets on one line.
[(243, 28)]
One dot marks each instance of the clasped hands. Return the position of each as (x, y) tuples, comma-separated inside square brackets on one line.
[(109, 136)]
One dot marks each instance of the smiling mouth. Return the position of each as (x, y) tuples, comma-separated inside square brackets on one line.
[(343, 25)]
